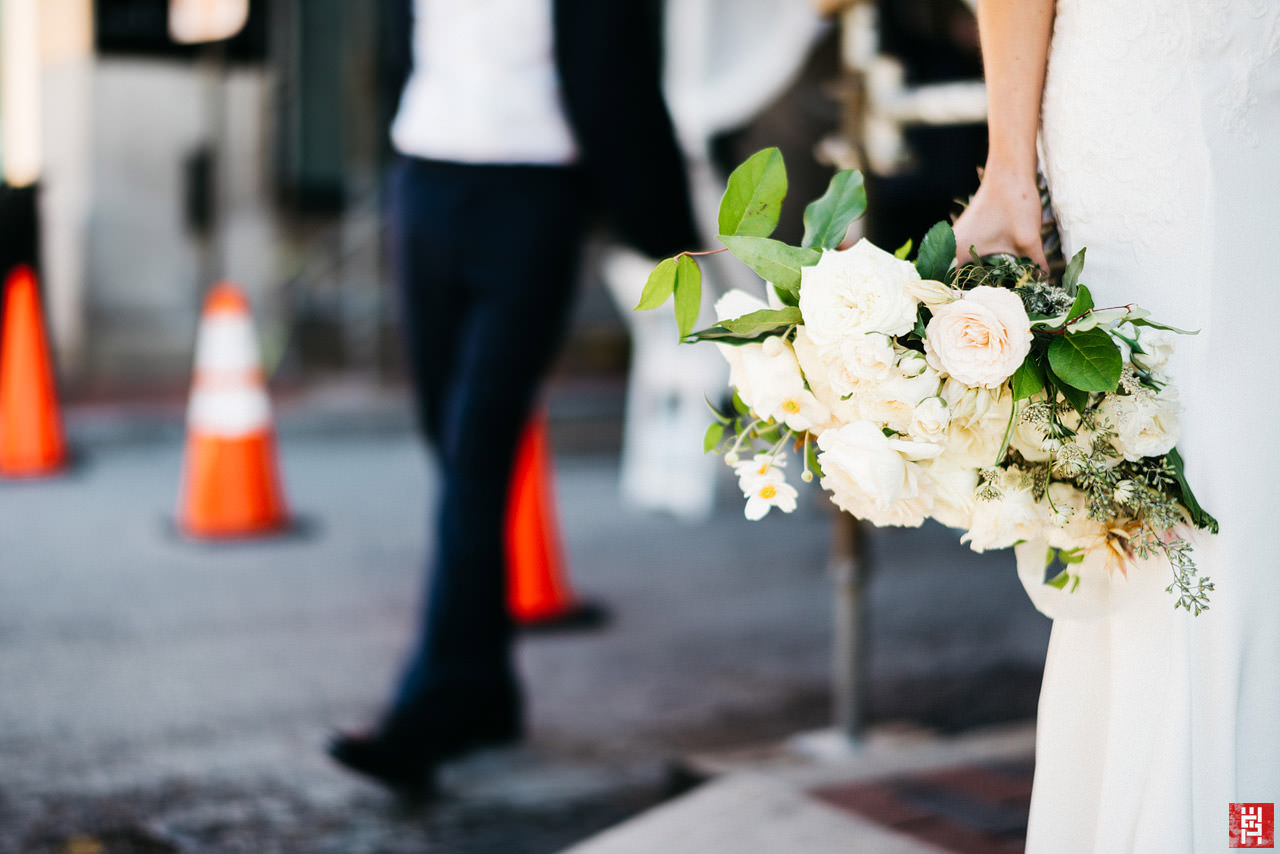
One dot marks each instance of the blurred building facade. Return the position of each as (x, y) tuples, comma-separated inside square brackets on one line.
[(165, 167)]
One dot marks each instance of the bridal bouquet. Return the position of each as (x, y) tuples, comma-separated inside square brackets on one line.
[(983, 396)]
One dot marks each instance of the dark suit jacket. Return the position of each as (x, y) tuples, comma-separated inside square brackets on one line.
[(609, 57)]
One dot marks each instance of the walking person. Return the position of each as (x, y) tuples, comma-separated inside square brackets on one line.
[(520, 123)]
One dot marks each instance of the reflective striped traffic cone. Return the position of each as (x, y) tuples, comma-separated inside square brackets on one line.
[(230, 484), (31, 439), (539, 594)]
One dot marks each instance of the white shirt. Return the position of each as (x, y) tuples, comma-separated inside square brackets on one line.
[(484, 88)]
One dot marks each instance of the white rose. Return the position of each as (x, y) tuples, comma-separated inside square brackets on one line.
[(856, 291), (875, 477), (1146, 423), (953, 487), (1157, 347), (1014, 516), (1068, 525), (980, 339)]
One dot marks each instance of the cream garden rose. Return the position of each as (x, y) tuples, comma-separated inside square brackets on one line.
[(855, 291), (980, 339)]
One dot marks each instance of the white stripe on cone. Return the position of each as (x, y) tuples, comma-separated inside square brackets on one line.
[(228, 398)]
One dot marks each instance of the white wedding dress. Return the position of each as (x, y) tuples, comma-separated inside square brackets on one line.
[(1161, 141)]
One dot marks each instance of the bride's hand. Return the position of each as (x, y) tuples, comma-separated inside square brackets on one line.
[(1004, 216)]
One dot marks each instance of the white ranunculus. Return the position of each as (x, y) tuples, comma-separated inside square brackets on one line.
[(1157, 347), (930, 420), (875, 477), (953, 487), (1067, 522), (1014, 516), (856, 291), (1146, 422), (981, 339)]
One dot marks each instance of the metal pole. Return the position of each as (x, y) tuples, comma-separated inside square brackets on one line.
[(849, 572)]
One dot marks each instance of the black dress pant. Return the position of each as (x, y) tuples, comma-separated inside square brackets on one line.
[(486, 257)]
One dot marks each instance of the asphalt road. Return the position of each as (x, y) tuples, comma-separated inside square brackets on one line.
[(161, 696)]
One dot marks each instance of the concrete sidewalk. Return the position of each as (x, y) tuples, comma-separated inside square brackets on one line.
[(897, 792)]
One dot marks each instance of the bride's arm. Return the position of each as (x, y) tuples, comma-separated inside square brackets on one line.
[(1005, 213)]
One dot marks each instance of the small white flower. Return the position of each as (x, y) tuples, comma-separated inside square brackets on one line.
[(778, 494), (981, 339), (1124, 492), (855, 291), (764, 485), (760, 468)]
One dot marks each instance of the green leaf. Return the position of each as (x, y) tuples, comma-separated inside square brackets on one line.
[(1142, 321), (1088, 361), (662, 281), (720, 416), (811, 454), (774, 260), (713, 437), (1199, 516), (788, 297), (752, 200), (688, 289), (1060, 580), (1071, 277), (904, 250), (1078, 399), (1082, 305), (937, 252), (763, 320), (827, 220), (739, 405), (1028, 380)]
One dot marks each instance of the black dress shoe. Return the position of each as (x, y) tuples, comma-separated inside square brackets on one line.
[(403, 754), (399, 770)]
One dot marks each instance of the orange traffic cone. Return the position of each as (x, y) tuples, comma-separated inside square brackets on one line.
[(538, 589), (31, 441), (230, 485)]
